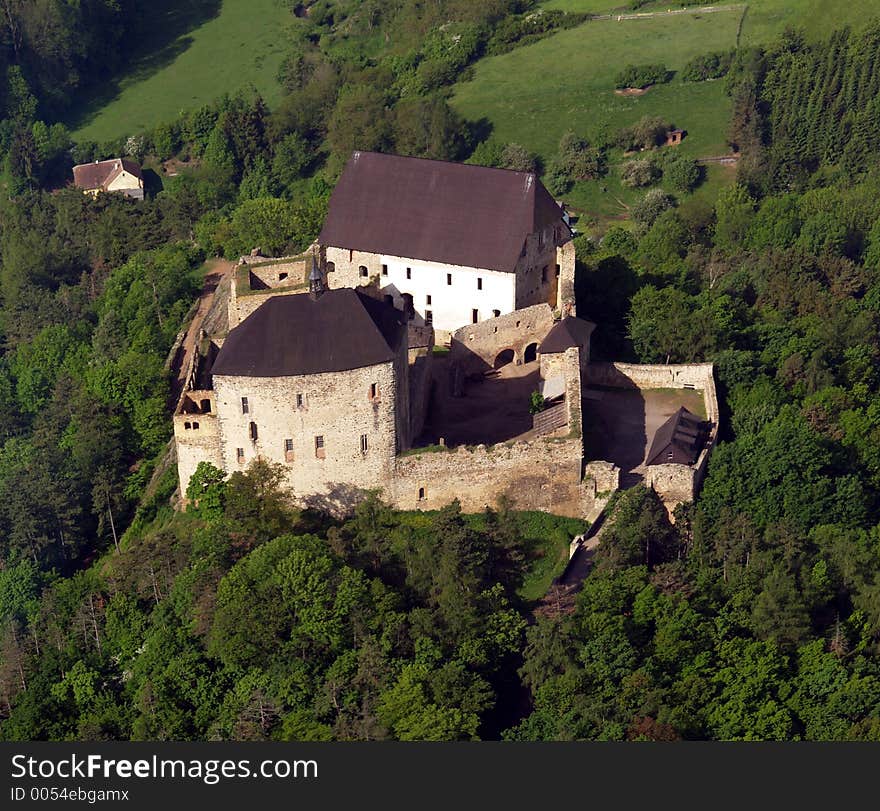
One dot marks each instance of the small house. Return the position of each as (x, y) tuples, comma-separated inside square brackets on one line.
[(679, 440), (673, 137), (116, 174)]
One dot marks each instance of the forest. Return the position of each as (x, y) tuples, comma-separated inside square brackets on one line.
[(754, 616)]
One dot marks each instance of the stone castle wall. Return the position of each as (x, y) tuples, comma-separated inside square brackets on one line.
[(336, 406), (565, 298), (540, 474), (476, 346), (673, 483), (196, 434), (257, 279)]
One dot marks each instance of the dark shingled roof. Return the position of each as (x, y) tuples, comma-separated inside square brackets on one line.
[(683, 430), (567, 333), (98, 174), (298, 335), (437, 211)]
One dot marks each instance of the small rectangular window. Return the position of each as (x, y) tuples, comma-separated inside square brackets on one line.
[(288, 450), (428, 299), (195, 426), (374, 391), (475, 316), (409, 273), (479, 283), (282, 277), (363, 271), (496, 313), (558, 271), (384, 270), (299, 401), (422, 495), (364, 444), (239, 455), (319, 446), (245, 408), (448, 278), (429, 317), (670, 456), (253, 431), (544, 274)]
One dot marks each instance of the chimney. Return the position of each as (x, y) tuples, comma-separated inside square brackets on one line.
[(316, 282)]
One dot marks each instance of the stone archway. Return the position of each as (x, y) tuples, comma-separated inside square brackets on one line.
[(503, 358), (531, 353)]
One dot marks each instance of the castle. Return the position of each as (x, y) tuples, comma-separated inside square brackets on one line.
[(330, 368)]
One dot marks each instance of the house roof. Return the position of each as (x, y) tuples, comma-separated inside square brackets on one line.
[(684, 430), (568, 332), (299, 335), (452, 213), (100, 174)]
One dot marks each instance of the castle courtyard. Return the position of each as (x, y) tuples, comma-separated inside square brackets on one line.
[(620, 423), (492, 409)]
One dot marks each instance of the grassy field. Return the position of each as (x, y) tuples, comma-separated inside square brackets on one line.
[(534, 94), (197, 52)]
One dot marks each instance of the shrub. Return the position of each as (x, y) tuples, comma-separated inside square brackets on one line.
[(682, 173), (707, 66), (651, 206), (648, 132), (641, 76), (638, 173)]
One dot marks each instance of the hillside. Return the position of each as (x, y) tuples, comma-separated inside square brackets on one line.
[(534, 94), (242, 44)]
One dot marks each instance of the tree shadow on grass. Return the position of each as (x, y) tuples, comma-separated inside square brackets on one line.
[(161, 38)]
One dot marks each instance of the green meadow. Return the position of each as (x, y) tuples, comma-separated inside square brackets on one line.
[(230, 45), (534, 94)]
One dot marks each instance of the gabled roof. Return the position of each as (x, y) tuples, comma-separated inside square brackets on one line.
[(684, 430), (299, 335), (100, 174), (568, 332), (452, 213)]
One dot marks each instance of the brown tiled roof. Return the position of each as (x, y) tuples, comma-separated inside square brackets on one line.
[(683, 430), (437, 211), (99, 174), (567, 333), (298, 335)]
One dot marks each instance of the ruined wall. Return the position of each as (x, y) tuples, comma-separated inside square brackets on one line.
[(256, 279), (420, 373), (536, 277), (197, 438), (673, 483), (653, 376), (568, 365), (601, 481), (275, 273), (476, 346), (540, 474), (565, 298), (240, 307)]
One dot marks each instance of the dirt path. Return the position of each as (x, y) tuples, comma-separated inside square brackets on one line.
[(218, 269), (645, 15)]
